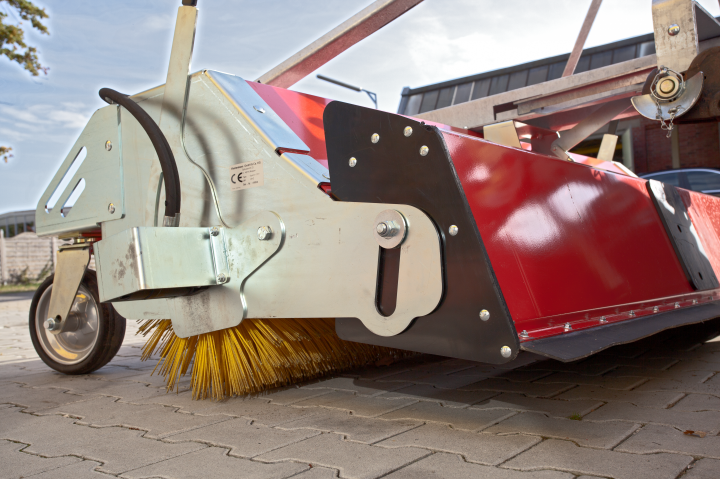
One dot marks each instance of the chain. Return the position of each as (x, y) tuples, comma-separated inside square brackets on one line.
[(669, 125)]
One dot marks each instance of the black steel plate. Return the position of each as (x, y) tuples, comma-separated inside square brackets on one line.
[(682, 235), (393, 171)]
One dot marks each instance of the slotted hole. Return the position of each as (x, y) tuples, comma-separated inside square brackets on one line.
[(62, 186), (679, 228), (70, 202), (700, 274), (387, 281)]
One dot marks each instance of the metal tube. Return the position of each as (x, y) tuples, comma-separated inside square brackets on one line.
[(582, 36)]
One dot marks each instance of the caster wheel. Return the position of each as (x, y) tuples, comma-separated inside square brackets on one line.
[(93, 335)]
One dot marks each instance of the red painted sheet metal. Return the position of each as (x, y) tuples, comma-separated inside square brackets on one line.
[(568, 242), (704, 211)]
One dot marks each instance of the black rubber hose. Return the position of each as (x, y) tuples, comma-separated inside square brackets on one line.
[(164, 153)]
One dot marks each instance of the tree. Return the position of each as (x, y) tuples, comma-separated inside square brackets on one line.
[(12, 38)]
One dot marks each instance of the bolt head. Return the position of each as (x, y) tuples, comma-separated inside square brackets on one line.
[(375, 138), (424, 150), (51, 324), (673, 29), (214, 231), (505, 351), (111, 208), (382, 229), (407, 131), (568, 327), (453, 230), (694, 301), (264, 233), (352, 162), (484, 315), (259, 109), (603, 319), (656, 309), (221, 278), (108, 145), (524, 334), (677, 305)]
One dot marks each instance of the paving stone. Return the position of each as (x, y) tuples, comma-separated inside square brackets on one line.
[(316, 472), (646, 363), (698, 402), (446, 397), (119, 449), (475, 447), (444, 367), (690, 384), (33, 400), (702, 421), (361, 387), (639, 398), (468, 419), (16, 463), (214, 462), (530, 389), (566, 456), (374, 373), (651, 439), (553, 407), (580, 367), (449, 465), (437, 380), (353, 459), (603, 435), (356, 428), (624, 383), (158, 421), (704, 469), (242, 437), (359, 405), (632, 371), (78, 470), (292, 395)]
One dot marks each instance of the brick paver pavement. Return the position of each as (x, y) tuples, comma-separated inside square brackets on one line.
[(645, 410)]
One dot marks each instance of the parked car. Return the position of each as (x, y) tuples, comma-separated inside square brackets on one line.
[(704, 180)]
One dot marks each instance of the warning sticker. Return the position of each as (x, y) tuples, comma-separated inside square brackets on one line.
[(246, 175)]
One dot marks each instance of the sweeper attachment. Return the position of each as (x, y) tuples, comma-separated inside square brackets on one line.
[(266, 236)]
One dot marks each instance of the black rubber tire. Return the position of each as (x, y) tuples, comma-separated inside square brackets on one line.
[(110, 335)]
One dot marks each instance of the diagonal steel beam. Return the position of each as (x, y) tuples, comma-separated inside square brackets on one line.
[(582, 36), (333, 43)]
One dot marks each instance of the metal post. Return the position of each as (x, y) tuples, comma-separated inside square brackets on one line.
[(675, 147), (627, 149), (582, 36), (3, 259), (54, 251)]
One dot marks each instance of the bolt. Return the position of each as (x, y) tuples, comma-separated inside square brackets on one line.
[(505, 351), (568, 327), (603, 320), (111, 208), (214, 231), (264, 233), (484, 314), (381, 229), (52, 324), (375, 138), (259, 109), (524, 334), (221, 278), (673, 29), (453, 230), (656, 309), (694, 301), (632, 313), (424, 150), (677, 305), (352, 162), (108, 145), (407, 131)]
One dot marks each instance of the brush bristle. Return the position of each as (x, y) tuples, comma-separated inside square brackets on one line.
[(256, 355)]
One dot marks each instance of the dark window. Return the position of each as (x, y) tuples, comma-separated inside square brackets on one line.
[(647, 48), (670, 178), (703, 180), (517, 80), (445, 98), (481, 89), (463, 93), (413, 104), (429, 100), (556, 70), (601, 59), (583, 64), (499, 84), (537, 75), (624, 54)]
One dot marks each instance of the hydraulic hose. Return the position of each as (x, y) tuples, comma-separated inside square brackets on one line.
[(164, 153)]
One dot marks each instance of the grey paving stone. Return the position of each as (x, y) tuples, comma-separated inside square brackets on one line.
[(214, 462), (316, 472), (703, 421), (119, 449), (632, 371), (647, 363), (379, 372), (698, 402), (704, 469), (434, 379), (353, 459), (651, 439), (603, 435), (16, 464), (78, 470), (581, 367), (444, 367), (158, 421), (475, 447), (361, 387), (468, 419), (356, 428), (566, 456), (692, 383), (553, 407), (292, 395), (529, 389), (34, 400), (441, 465), (446, 397), (243, 438), (360, 405), (623, 383), (639, 398)]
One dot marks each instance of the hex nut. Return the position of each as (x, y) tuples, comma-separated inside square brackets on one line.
[(214, 231), (264, 233), (221, 278)]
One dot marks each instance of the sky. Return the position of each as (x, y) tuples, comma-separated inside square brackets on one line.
[(126, 46)]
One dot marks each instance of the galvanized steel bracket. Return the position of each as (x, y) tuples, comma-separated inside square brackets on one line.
[(72, 263)]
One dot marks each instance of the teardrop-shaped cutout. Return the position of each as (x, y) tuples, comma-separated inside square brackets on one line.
[(70, 202), (62, 186)]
